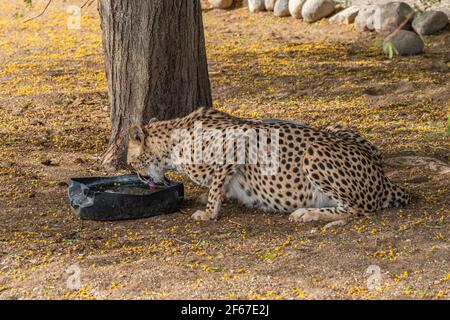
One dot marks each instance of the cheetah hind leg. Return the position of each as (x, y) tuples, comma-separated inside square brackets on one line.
[(336, 216)]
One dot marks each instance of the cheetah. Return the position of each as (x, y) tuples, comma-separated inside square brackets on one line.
[(320, 173)]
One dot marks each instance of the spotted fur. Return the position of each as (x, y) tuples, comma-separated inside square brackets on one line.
[(325, 174)]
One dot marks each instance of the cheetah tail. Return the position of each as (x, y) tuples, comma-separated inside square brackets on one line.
[(398, 196)]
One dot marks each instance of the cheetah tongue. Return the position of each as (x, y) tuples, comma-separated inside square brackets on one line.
[(150, 183), (147, 180)]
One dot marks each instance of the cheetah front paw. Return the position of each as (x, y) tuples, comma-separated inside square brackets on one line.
[(201, 215), (303, 215)]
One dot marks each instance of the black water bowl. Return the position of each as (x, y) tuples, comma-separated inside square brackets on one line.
[(122, 197)]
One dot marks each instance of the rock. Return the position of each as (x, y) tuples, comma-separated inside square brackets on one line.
[(346, 16), (405, 42), (364, 19), (256, 5), (220, 4), (269, 4), (388, 17), (295, 8), (430, 22), (314, 10), (281, 8)]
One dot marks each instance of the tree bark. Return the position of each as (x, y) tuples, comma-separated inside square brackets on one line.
[(155, 62)]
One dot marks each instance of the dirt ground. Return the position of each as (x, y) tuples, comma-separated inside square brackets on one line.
[(54, 125)]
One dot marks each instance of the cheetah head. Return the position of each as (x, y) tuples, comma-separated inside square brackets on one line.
[(148, 152)]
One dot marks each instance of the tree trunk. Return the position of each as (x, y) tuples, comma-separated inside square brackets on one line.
[(155, 64)]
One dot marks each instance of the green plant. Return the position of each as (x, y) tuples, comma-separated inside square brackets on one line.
[(378, 41), (390, 49), (17, 15)]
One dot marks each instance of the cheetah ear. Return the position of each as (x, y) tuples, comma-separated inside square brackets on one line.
[(153, 120), (136, 134)]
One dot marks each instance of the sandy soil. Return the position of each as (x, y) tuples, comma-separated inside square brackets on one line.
[(54, 125)]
